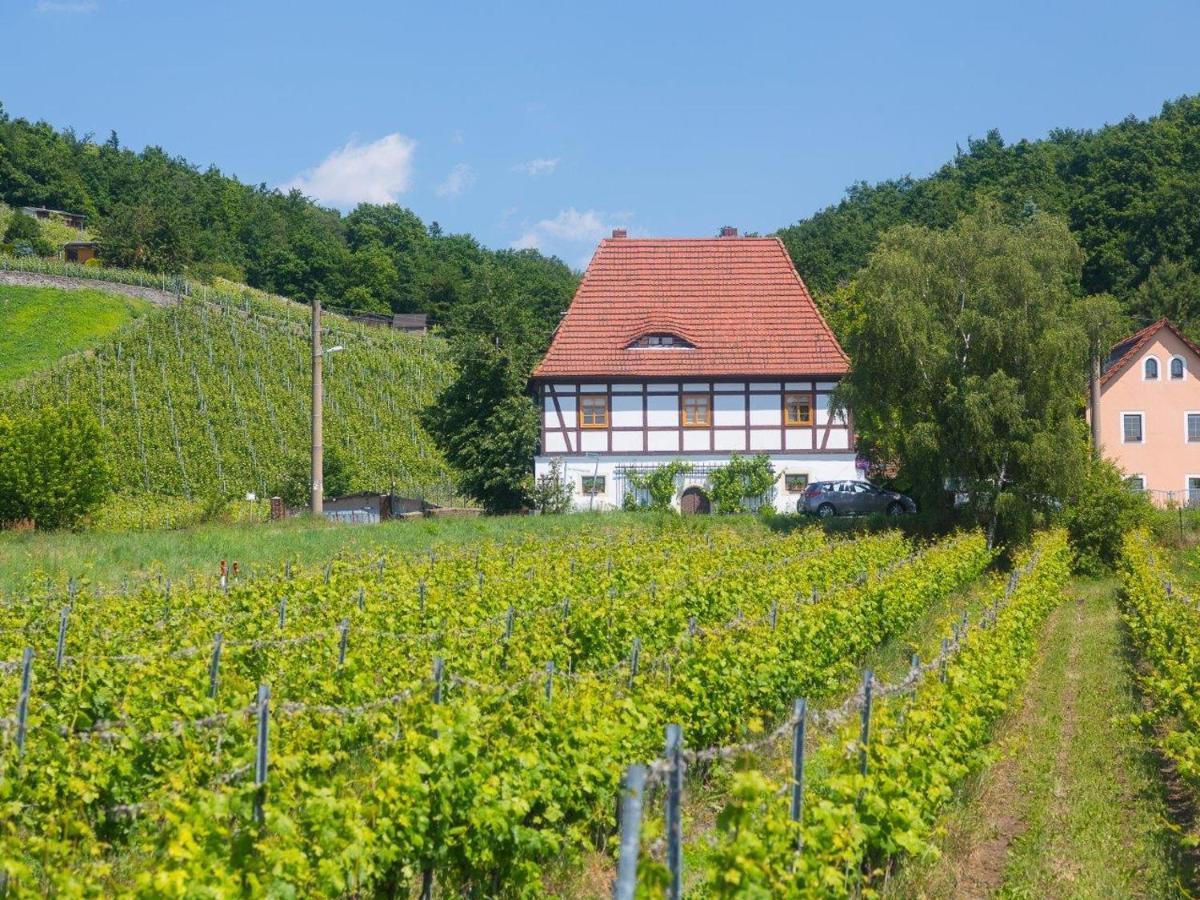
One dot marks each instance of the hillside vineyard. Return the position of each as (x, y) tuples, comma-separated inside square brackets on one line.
[(463, 718), (210, 397)]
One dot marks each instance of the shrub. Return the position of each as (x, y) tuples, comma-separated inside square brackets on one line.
[(51, 468), (1099, 514), (552, 494), (745, 478), (659, 485), (294, 486), (24, 231)]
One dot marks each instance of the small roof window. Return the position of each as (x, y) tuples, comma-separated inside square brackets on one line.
[(660, 341)]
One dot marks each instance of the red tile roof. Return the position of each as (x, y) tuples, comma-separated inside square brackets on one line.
[(1125, 351), (740, 301)]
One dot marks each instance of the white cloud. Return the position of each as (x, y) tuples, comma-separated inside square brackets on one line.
[(66, 6), (460, 179), (539, 166), (378, 172), (570, 226)]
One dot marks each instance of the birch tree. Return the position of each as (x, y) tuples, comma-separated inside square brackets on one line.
[(970, 363)]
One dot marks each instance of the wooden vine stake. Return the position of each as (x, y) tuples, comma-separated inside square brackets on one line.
[(23, 699), (439, 670), (634, 654), (674, 755), (344, 627), (799, 713), (62, 636), (214, 665), (865, 737), (260, 756), (633, 786)]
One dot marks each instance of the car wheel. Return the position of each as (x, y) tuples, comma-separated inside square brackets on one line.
[(895, 509), (826, 510)]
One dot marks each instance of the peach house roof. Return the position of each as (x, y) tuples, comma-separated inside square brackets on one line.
[(1124, 352), (738, 300)]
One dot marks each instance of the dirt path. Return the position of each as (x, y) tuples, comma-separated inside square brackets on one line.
[(1072, 806), (63, 282)]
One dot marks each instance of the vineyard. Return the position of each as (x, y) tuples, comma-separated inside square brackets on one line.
[(462, 719), (210, 396), (1165, 626)]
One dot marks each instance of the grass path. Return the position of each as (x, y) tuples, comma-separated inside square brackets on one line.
[(1072, 806)]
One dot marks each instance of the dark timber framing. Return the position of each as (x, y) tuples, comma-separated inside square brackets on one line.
[(550, 405)]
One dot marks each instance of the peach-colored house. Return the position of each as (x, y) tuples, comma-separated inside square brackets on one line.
[(1150, 412)]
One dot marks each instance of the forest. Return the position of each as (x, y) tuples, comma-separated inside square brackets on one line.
[(1130, 193)]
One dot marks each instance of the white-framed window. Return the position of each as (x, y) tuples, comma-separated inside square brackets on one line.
[(1135, 483), (1150, 369), (591, 485), (795, 482), (1191, 427), (1132, 430), (1178, 368), (1192, 497)]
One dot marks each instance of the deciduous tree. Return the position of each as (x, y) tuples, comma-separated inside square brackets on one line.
[(970, 362)]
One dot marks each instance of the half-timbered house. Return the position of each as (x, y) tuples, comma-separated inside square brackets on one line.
[(691, 349)]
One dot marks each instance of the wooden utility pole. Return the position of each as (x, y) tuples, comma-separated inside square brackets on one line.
[(318, 396)]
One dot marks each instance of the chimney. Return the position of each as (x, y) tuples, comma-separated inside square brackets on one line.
[(619, 233), (728, 231)]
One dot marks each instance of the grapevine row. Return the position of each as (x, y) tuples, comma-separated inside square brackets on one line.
[(876, 803), (480, 789)]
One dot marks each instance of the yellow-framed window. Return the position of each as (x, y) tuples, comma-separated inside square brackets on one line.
[(695, 411), (797, 409), (593, 411)]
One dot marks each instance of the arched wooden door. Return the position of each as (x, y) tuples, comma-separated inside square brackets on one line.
[(694, 501)]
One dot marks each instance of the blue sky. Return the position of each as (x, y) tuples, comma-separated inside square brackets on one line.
[(546, 124)]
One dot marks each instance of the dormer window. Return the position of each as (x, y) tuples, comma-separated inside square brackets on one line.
[(1150, 369), (661, 341)]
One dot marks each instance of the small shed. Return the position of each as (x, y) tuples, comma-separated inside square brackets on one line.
[(74, 220), (367, 508), (370, 508), (80, 251), (412, 323)]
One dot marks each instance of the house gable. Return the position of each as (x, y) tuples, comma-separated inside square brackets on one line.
[(1163, 339)]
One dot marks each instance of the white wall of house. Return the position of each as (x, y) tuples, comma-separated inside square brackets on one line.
[(828, 466)]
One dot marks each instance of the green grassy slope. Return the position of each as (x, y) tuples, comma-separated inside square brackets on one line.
[(40, 325), (211, 398)]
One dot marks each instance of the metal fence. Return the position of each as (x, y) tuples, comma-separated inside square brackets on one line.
[(1183, 499)]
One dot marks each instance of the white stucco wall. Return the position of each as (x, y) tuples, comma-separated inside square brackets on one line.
[(827, 466)]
